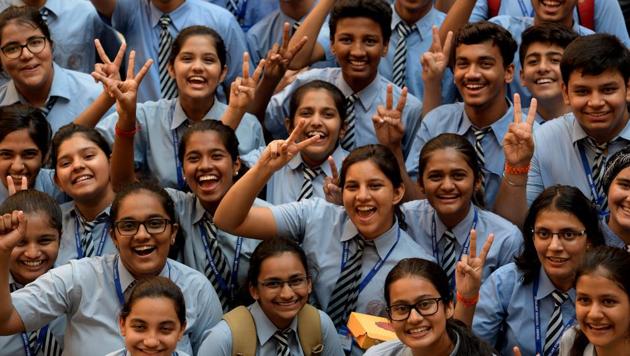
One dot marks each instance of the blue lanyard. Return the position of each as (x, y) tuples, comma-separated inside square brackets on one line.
[(591, 183), (40, 341), (537, 332), (235, 265), (521, 4), (434, 241), (181, 182), (375, 268), (77, 239), (119, 291)]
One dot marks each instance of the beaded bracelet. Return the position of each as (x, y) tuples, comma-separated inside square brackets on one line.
[(125, 133), (515, 170), (468, 302)]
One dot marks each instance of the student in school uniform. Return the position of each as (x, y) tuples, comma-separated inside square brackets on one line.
[(595, 72), (90, 291), (483, 66), (26, 55), (280, 283), (33, 256), (364, 235), (616, 181), (360, 32), (150, 27)]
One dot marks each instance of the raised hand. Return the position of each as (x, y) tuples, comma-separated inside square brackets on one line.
[(243, 88), (435, 60), (469, 269), (109, 69), (12, 230), (12, 188), (332, 190), (518, 142), (279, 57), (279, 152), (388, 120)]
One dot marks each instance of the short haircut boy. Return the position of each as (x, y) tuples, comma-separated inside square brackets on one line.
[(549, 33), (595, 54), (378, 11), (484, 31)]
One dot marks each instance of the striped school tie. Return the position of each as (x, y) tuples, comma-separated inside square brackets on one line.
[(45, 13), (232, 6), (307, 186), (598, 169), (348, 139), (220, 263), (87, 237), (346, 292), (555, 326), (449, 260), (282, 342), (481, 159), (168, 89), (400, 55), (295, 27), (49, 105)]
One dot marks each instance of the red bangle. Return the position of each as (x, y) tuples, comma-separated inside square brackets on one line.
[(126, 133), (515, 170), (468, 302)]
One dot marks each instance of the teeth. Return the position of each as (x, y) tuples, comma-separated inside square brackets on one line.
[(544, 81), (208, 177), (33, 263), (197, 79), (418, 330), (143, 248), (82, 178), (557, 259), (358, 63), (474, 86), (314, 133), (364, 208)]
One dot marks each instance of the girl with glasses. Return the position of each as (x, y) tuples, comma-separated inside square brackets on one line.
[(91, 291), (280, 283)]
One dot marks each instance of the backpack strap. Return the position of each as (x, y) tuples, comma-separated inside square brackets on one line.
[(493, 8), (310, 331), (586, 13), (243, 328)]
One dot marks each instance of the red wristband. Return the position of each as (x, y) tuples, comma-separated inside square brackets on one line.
[(126, 133), (468, 302), (515, 170)]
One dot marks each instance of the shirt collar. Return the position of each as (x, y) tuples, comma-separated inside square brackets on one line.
[(265, 329), (499, 127), (383, 243), (199, 211), (423, 25), (177, 15), (461, 230), (338, 154), (75, 212), (366, 96), (546, 287), (53, 6), (578, 132), (456, 347), (126, 278)]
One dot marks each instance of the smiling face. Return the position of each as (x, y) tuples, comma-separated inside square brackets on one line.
[(208, 167), (282, 304), (30, 72), (152, 327), (559, 257), (369, 198), (197, 70), (317, 108), (420, 333), (602, 309), (358, 45), (36, 253), (143, 254), (619, 203), (554, 11), (541, 72), (19, 157)]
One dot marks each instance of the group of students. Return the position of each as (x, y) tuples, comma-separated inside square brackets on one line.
[(131, 221)]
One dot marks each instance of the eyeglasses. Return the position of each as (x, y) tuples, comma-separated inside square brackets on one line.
[(152, 226), (565, 235), (424, 307), (277, 284), (35, 45)]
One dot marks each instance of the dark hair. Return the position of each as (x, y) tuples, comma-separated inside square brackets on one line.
[(562, 198), (143, 186), (378, 11), (24, 15), (609, 262), (271, 248), (484, 31), (549, 33), (20, 116), (386, 162), (226, 134), (192, 31), (68, 131), (333, 91), (156, 287), (461, 145), (619, 161), (595, 54), (31, 201), (469, 344)]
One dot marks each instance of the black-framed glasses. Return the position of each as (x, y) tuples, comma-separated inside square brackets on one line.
[(35, 45), (424, 307), (277, 284), (152, 226), (565, 235)]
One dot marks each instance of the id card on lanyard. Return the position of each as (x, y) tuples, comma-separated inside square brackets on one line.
[(118, 286), (181, 182), (599, 200), (537, 332), (233, 286), (41, 336), (77, 239)]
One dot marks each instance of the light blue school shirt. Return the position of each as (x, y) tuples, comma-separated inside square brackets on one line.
[(13, 345), (516, 26), (557, 159), (154, 146), (190, 213), (607, 18), (451, 118), (139, 22), (418, 42), (219, 339), (508, 240), (75, 91), (124, 352), (505, 312), (250, 11), (610, 238), (364, 108), (44, 182), (285, 185), (85, 292), (68, 246), (397, 348)]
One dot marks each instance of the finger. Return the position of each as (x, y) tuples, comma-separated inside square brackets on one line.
[(286, 37), (309, 141), (333, 169), (290, 53), (101, 52), (517, 351), (486, 248), (21, 222), (402, 100), (389, 99), (143, 71), (297, 131), (448, 43), (518, 112), (259, 70), (531, 114), (120, 55), (10, 185), (473, 243), (24, 183), (436, 45), (245, 65), (131, 64)]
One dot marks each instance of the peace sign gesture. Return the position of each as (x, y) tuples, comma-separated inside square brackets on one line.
[(279, 152), (435, 60), (109, 69), (12, 186), (388, 120), (279, 56), (332, 190), (243, 88), (518, 142), (469, 269)]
